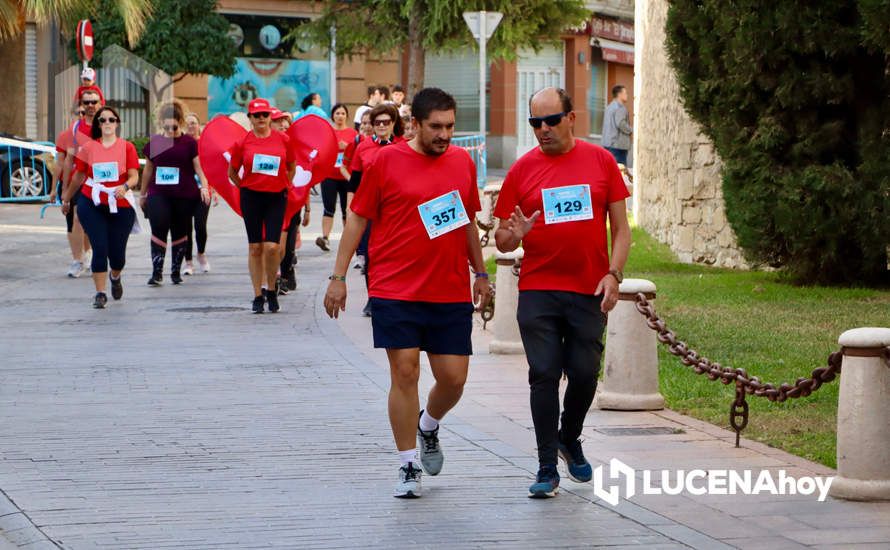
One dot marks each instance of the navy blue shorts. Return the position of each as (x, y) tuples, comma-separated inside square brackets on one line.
[(441, 329)]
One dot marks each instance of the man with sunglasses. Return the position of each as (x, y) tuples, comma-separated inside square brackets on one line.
[(77, 240), (555, 201)]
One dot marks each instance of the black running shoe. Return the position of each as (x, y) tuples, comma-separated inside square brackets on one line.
[(272, 299), (281, 287), (156, 279), (117, 289), (175, 278), (258, 304), (291, 279), (100, 300)]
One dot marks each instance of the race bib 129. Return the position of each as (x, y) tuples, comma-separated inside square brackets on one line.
[(104, 172), (266, 164), (443, 214), (567, 204), (167, 175)]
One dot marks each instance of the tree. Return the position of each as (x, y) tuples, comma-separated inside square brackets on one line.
[(180, 38), (381, 26), (794, 96), (13, 14)]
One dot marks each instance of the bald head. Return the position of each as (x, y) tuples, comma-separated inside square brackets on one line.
[(552, 117)]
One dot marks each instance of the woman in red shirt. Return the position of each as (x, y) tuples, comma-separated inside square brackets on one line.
[(268, 162), (106, 168), (337, 182)]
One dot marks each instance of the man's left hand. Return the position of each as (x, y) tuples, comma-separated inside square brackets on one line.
[(608, 287), (481, 292)]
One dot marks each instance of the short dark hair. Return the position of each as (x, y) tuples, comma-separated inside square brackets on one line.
[(339, 106), (398, 88), (428, 100), (616, 89), (384, 91), (564, 99), (96, 130), (307, 101), (371, 90), (389, 109)]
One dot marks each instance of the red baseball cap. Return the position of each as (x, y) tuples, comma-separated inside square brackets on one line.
[(276, 114), (259, 105)]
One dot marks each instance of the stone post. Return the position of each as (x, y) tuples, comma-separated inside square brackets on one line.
[(863, 417), (506, 329), (630, 379)]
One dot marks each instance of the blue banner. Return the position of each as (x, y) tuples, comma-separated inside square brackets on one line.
[(284, 82)]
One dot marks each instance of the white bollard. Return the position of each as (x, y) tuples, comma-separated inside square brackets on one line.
[(506, 340), (863, 417), (630, 378)]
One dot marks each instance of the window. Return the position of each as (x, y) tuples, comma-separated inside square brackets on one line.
[(596, 93)]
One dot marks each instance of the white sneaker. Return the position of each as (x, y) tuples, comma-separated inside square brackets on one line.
[(359, 262), (189, 269), (409, 482), (75, 270), (202, 261), (87, 259)]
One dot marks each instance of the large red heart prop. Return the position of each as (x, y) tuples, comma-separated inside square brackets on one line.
[(311, 137)]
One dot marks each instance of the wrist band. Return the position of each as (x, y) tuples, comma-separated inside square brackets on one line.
[(481, 274), (337, 278)]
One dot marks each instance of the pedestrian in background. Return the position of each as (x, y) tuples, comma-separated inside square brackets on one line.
[(336, 184), (616, 125), (201, 213)]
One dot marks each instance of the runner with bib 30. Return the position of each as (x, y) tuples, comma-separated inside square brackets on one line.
[(422, 198)]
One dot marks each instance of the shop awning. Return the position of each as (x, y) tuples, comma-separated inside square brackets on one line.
[(614, 51)]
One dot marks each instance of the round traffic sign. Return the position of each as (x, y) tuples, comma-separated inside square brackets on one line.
[(84, 40)]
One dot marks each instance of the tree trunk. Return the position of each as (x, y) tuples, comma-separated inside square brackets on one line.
[(416, 53)]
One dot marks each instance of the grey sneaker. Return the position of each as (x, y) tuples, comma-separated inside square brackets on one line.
[(409, 482), (431, 456), (76, 269)]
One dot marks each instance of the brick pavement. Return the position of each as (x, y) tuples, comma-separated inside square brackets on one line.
[(154, 424)]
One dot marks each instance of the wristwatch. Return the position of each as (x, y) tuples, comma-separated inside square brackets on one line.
[(619, 276)]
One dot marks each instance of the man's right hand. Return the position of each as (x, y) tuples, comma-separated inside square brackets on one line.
[(335, 298), (519, 225)]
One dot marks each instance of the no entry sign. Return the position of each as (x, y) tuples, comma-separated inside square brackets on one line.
[(84, 40)]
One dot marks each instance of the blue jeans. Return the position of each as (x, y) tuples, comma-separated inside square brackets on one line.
[(619, 154)]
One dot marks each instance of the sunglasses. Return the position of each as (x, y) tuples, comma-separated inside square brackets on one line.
[(551, 120), (382, 122), (261, 115), (104, 120), (79, 113), (90, 101), (174, 128)]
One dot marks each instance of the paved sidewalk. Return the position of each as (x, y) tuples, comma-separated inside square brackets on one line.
[(175, 419)]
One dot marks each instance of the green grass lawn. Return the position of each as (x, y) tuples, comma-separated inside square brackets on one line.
[(759, 322)]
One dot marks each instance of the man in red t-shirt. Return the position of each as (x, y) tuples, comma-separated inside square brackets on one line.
[(555, 201), (422, 198)]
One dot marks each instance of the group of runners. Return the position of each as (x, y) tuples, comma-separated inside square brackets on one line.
[(408, 199)]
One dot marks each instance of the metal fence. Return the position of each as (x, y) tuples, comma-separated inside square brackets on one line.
[(25, 170), (475, 145)]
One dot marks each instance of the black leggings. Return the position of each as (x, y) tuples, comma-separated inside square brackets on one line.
[(562, 333), (170, 215), (287, 262), (108, 233), (263, 214), (200, 214), (330, 190)]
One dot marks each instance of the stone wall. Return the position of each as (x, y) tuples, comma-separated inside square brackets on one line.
[(678, 195)]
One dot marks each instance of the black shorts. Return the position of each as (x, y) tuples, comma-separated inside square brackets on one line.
[(442, 329), (263, 214)]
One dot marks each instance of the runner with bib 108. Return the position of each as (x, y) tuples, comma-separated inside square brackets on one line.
[(555, 201), (422, 198)]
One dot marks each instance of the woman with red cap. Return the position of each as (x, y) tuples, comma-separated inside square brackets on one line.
[(268, 164)]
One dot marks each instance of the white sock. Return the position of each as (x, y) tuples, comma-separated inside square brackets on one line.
[(427, 422), (408, 456), (113, 278)]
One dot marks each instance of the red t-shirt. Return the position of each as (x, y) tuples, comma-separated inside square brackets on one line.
[(407, 264), (366, 152), (94, 160), (346, 135), (264, 160), (571, 256)]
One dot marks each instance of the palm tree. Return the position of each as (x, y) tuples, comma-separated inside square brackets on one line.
[(14, 13)]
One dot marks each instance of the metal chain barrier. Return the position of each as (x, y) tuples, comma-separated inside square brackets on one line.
[(745, 384)]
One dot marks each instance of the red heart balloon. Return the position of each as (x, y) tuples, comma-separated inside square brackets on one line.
[(315, 145), (218, 137)]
